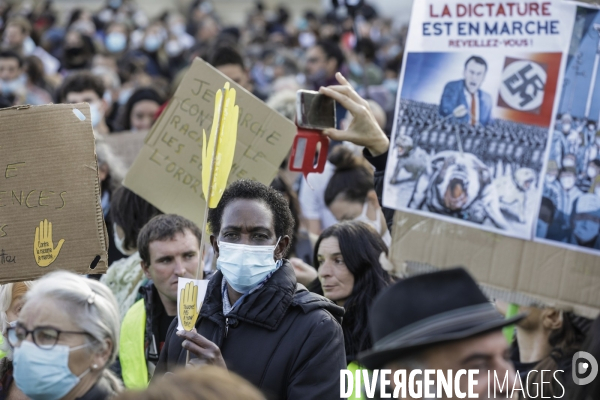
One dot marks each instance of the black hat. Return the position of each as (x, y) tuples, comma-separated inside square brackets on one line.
[(428, 309)]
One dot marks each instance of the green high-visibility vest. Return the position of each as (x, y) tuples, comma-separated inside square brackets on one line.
[(2, 352), (131, 343), (357, 392)]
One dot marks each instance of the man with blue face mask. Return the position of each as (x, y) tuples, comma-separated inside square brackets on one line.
[(255, 319)]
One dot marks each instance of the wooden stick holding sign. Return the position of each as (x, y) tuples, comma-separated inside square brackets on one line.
[(217, 160)]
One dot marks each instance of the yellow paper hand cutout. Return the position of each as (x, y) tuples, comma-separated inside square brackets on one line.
[(43, 247), (217, 160), (188, 310)]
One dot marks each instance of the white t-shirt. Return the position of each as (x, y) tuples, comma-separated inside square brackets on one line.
[(312, 201)]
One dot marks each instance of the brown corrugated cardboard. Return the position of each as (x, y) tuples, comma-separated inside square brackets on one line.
[(125, 145), (514, 270), (50, 214), (168, 170)]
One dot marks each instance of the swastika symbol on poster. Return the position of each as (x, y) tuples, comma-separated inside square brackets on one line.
[(523, 84)]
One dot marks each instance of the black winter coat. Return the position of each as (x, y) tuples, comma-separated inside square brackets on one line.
[(282, 338), (380, 163)]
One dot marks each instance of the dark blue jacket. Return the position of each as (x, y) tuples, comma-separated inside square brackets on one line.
[(286, 341), (454, 96)]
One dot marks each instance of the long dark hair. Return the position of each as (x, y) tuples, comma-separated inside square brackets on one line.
[(565, 342), (353, 177), (131, 213), (361, 246), (140, 94)]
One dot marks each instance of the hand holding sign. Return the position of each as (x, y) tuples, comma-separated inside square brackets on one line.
[(188, 310), (43, 247), (190, 295)]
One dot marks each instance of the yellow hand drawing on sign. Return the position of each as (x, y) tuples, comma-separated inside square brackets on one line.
[(43, 247), (188, 309)]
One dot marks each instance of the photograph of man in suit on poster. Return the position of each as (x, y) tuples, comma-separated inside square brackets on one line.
[(464, 100)]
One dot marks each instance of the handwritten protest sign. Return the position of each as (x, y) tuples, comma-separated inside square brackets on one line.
[(125, 146), (475, 104), (514, 270), (50, 214), (168, 170), (190, 296)]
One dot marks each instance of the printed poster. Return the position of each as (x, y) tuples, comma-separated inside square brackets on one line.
[(476, 99), (569, 212)]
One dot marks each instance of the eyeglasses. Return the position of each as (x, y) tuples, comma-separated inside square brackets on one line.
[(44, 337)]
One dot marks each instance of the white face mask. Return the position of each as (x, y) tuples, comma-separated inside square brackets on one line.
[(13, 86), (173, 48), (119, 243), (591, 172), (178, 29), (96, 114), (124, 95), (28, 46), (245, 266), (567, 182), (376, 223)]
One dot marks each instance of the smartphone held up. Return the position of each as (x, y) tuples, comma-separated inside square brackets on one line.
[(314, 113)]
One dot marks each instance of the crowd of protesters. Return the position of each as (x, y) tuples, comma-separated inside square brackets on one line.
[(300, 283)]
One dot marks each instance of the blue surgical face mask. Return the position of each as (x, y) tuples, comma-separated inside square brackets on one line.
[(13, 86), (244, 266), (152, 43), (391, 85), (116, 42), (44, 374)]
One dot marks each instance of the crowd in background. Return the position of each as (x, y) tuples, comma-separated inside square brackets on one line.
[(68, 336)]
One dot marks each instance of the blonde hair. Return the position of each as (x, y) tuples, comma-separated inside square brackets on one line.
[(204, 383), (8, 293), (90, 305)]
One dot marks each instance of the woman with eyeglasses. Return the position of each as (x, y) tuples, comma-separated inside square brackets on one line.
[(65, 338)]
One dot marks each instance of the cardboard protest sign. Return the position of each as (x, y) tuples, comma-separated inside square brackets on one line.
[(569, 213), (125, 145), (50, 213), (474, 106), (168, 170), (190, 296), (514, 270)]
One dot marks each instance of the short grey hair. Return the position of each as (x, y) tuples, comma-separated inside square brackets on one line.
[(6, 298), (90, 304)]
